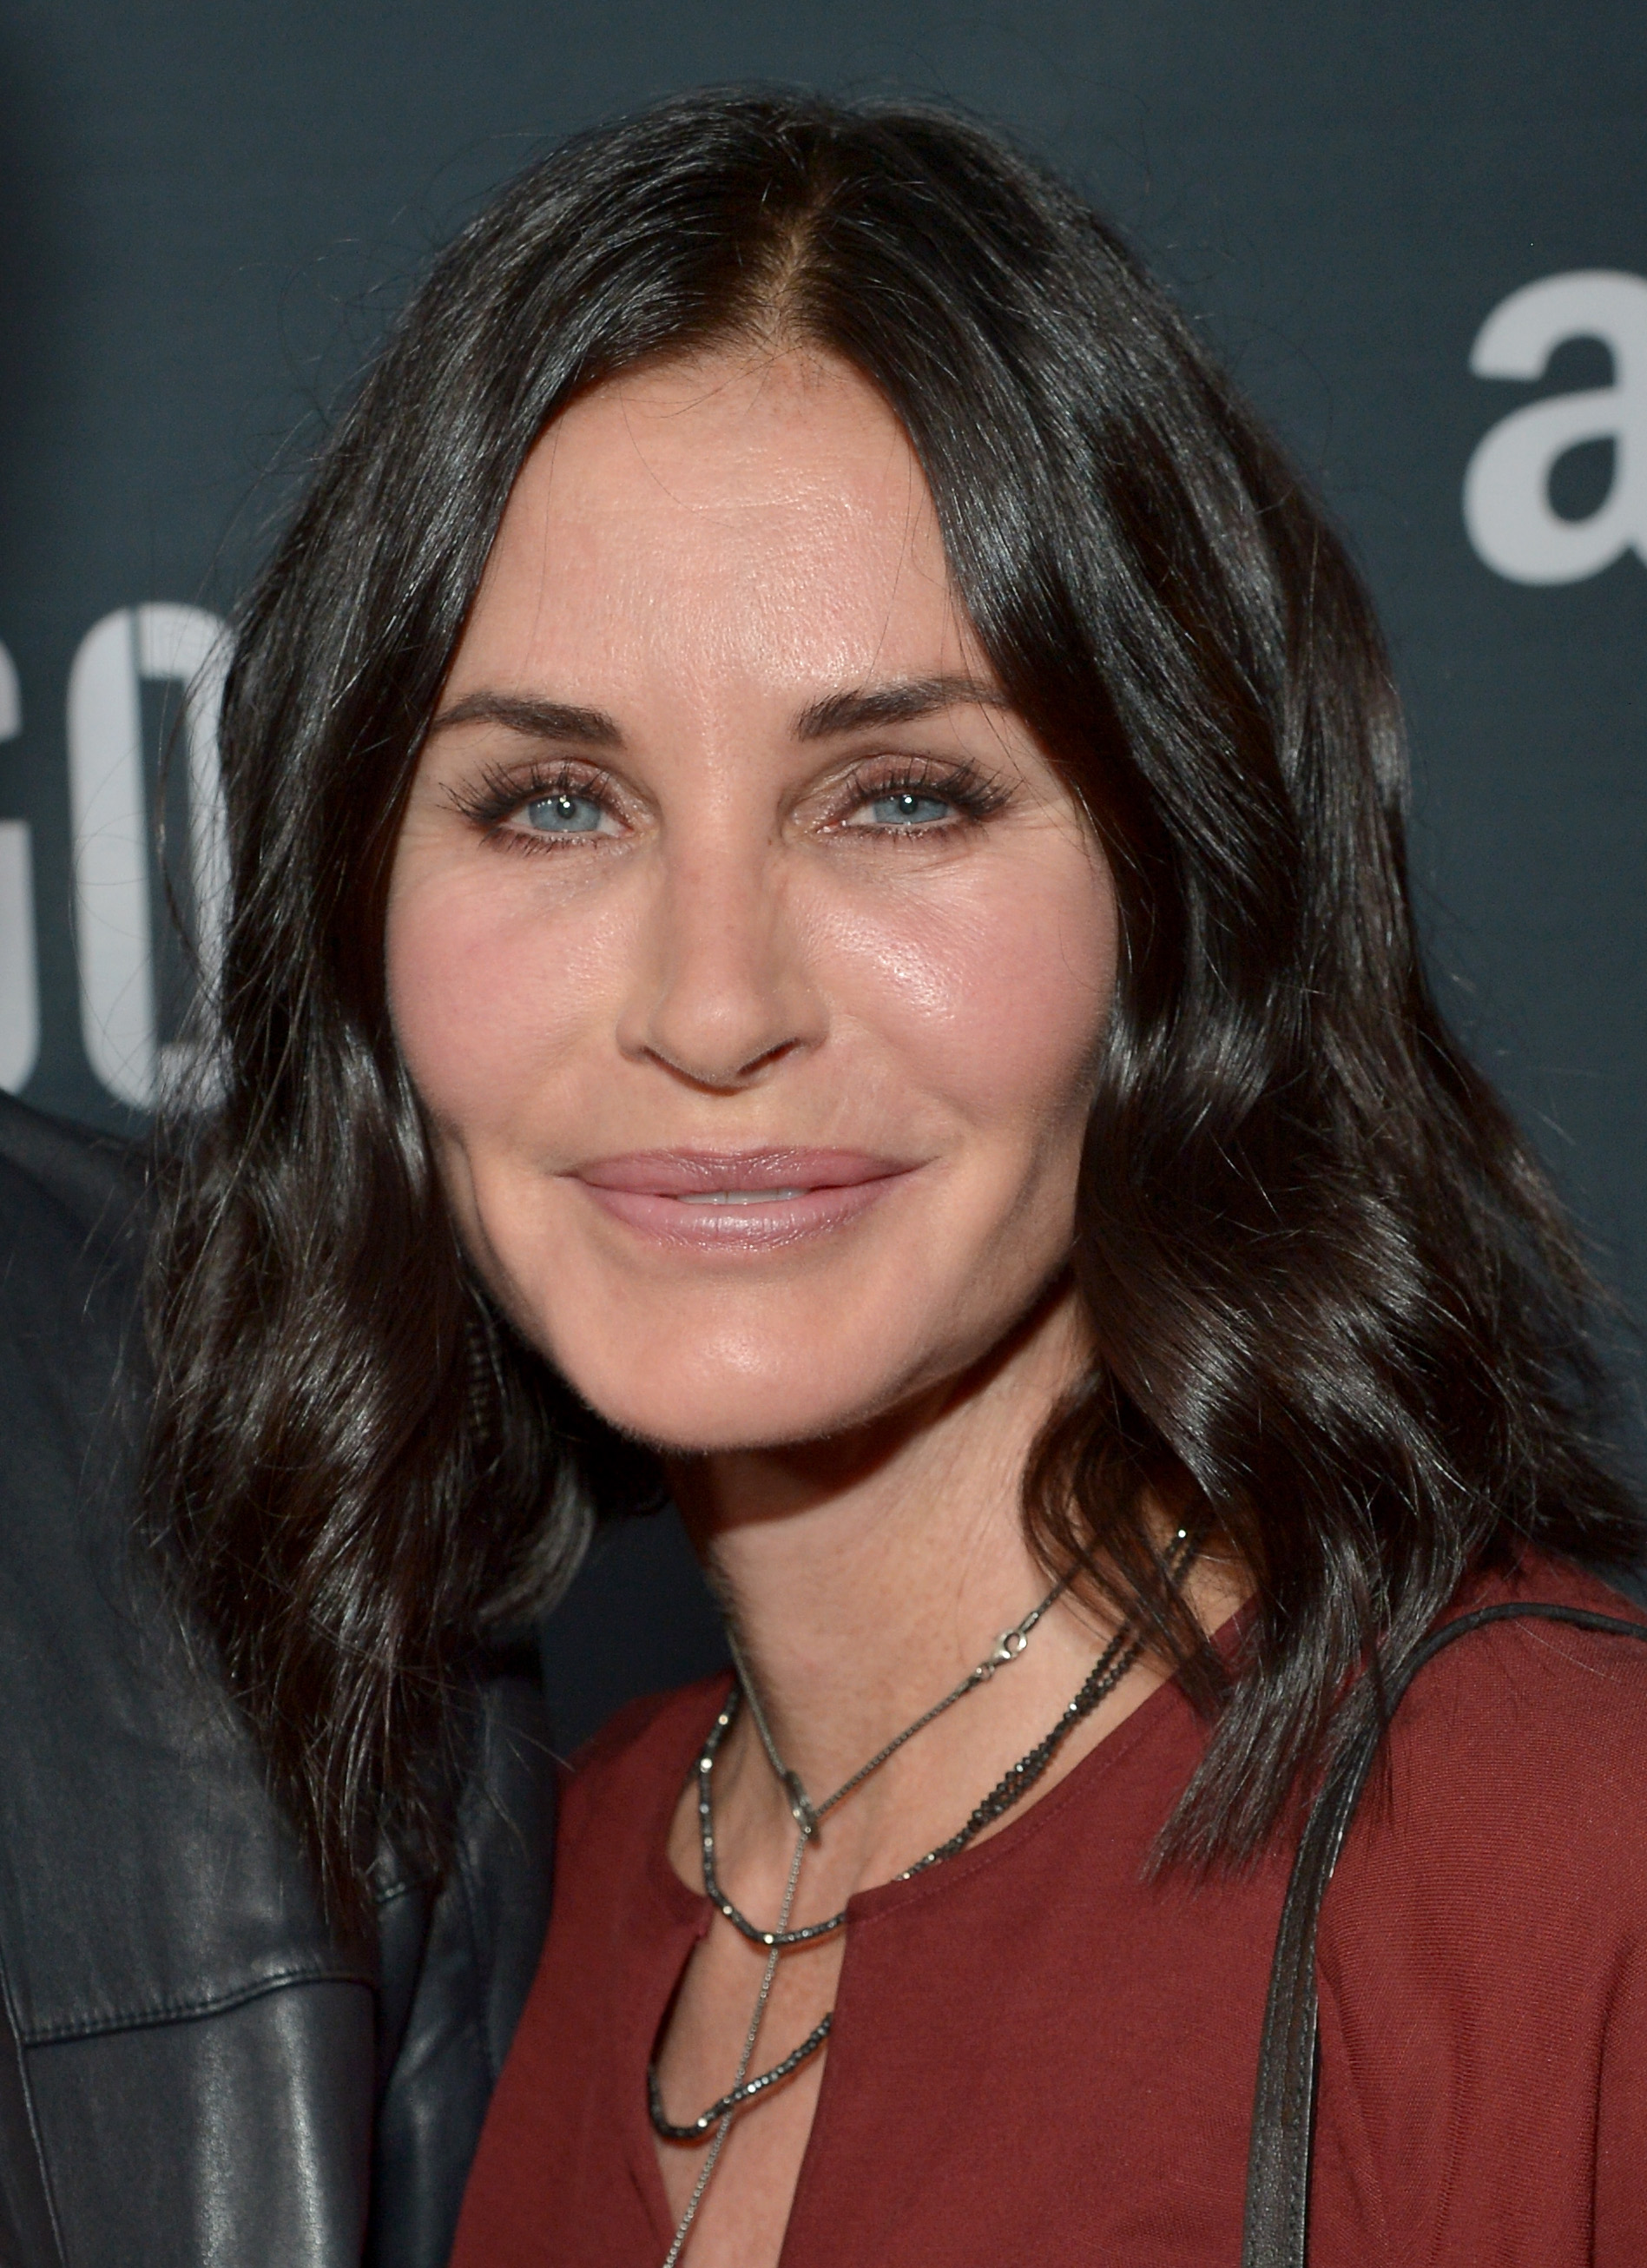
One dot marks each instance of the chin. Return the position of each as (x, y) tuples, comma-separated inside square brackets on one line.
[(702, 1413)]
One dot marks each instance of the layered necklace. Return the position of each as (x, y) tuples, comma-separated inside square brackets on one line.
[(1105, 1674)]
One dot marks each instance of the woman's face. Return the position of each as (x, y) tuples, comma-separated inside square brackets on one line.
[(749, 957)]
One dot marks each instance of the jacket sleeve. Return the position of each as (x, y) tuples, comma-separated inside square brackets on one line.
[(192, 2063), (456, 1968)]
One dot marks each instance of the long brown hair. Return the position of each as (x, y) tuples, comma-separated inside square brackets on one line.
[(1336, 1311)]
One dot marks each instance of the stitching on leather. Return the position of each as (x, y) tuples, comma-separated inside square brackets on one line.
[(172, 2011)]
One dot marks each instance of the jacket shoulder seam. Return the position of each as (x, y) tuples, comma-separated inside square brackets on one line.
[(173, 2012)]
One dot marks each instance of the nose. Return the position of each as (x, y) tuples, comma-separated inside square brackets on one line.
[(724, 992)]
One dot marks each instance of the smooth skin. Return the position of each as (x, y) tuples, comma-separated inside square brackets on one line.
[(725, 848)]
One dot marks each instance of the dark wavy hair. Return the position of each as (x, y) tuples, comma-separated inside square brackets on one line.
[(1335, 1311)]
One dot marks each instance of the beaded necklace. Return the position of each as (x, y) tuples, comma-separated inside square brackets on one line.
[(1107, 1673)]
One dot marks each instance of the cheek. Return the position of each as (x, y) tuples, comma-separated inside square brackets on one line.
[(997, 998), (484, 990)]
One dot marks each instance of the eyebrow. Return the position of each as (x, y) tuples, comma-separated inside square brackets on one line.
[(904, 701), (901, 703), (537, 720)]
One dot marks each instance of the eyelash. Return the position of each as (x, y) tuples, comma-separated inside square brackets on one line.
[(500, 793), (974, 795)]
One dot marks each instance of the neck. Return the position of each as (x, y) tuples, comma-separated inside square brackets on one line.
[(866, 1575)]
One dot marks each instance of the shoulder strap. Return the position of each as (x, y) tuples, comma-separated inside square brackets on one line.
[(1276, 2233)]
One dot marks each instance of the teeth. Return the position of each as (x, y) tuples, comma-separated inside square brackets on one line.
[(743, 1196)]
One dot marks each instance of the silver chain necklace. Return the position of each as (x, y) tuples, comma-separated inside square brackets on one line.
[(1107, 1673)]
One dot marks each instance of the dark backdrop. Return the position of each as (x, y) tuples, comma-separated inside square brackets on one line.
[(208, 210)]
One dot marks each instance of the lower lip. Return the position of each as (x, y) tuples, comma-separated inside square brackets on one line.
[(760, 1224)]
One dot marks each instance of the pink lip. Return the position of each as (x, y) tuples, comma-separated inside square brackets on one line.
[(684, 1197)]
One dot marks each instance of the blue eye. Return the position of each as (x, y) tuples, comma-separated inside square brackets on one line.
[(564, 815), (908, 807)]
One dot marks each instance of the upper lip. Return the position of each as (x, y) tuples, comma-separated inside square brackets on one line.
[(695, 1173)]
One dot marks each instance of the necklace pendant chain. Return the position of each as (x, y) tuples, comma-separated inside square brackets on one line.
[(1107, 1673)]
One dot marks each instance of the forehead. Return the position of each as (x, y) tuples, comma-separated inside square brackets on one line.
[(733, 521)]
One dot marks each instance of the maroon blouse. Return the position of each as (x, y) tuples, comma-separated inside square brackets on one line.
[(1038, 2054)]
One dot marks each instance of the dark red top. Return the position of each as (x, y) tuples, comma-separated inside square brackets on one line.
[(1038, 2055)]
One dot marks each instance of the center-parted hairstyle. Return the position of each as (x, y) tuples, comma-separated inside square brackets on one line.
[(1336, 1317)]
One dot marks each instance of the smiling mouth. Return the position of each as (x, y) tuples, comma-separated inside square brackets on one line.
[(747, 1202)]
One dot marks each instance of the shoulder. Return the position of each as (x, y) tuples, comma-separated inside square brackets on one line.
[(1516, 1764), (1531, 1706), (1483, 1944)]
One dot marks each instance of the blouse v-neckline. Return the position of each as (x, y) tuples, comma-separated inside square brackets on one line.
[(687, 1914)]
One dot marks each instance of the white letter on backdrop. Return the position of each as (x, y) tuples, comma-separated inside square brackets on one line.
[(114, 919), (1507, 508), (20, 985)]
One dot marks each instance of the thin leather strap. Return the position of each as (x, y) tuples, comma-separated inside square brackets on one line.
[(1276, 2233)]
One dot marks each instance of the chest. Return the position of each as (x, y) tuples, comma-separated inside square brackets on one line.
[(1042, 2038)]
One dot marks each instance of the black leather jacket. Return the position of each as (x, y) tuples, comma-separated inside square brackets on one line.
[(191, 2070)]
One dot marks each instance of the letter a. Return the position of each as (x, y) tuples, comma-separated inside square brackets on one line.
[(1507, 509)]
